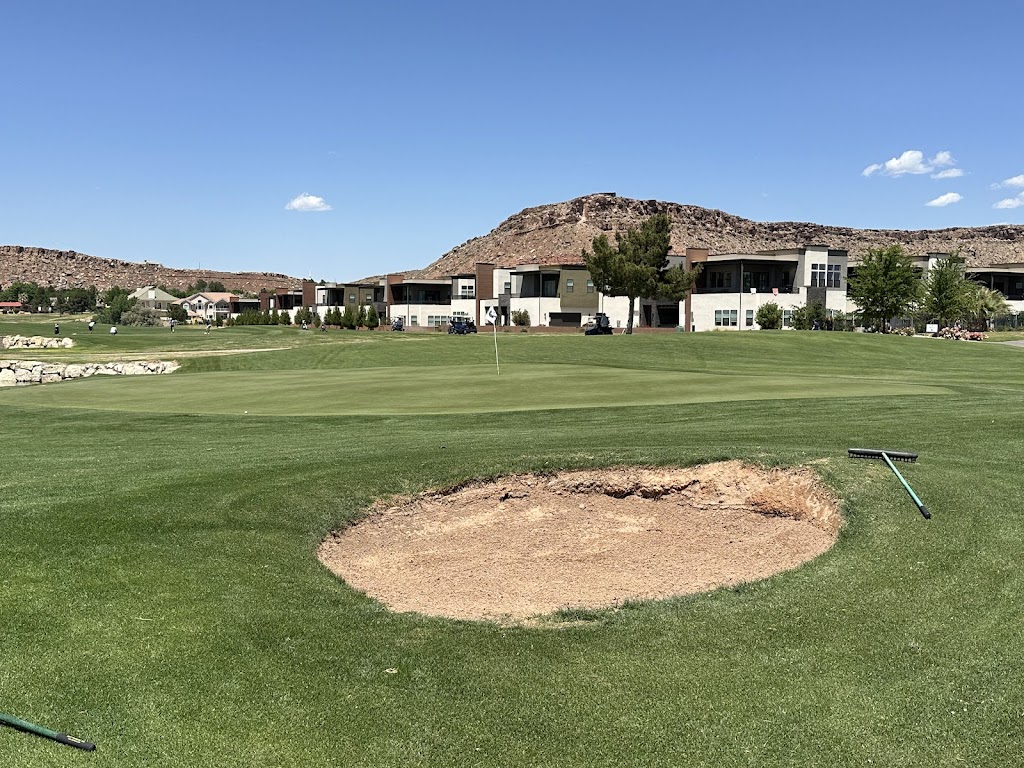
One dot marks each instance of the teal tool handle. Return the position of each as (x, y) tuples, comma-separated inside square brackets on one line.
[(923, 509)]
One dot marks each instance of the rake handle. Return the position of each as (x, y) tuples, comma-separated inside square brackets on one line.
[(38, 730), (921, 507)]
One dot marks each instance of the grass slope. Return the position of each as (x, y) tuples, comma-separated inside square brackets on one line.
[(161, 597)]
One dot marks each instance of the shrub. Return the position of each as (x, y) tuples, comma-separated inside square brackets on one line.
[(372, 320), (140, 314), (520, 317), (769, 317)]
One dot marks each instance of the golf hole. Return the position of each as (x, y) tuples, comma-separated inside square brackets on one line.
[(525, 546)]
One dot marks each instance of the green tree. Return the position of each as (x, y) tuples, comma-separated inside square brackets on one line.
[(637, 265), (361, 316), (885, 285), (987, 303), (948, 296), (805, 317), (769, 317), (77, 300), (115, 302), (216, 286), (520, 317), (177, 313), (275, 318), (348, 318), (372, 319)]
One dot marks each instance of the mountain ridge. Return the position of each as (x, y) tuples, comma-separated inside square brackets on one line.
[(558, 232)]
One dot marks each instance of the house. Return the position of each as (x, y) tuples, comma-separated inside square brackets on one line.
[(210, 305), (153, 298)]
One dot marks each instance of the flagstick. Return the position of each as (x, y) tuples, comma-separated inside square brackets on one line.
[(498, 367)]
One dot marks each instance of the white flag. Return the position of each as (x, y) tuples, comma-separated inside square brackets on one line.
[(492, 316)]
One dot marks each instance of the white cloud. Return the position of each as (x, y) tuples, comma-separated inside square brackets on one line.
[(1014, 181), (943, 200), (912, 161), (1011, 202), (307, 202), (949, 173)]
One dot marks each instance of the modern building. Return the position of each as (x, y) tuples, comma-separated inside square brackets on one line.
[(731, 287)]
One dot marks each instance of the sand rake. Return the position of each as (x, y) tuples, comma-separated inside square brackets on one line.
[(889, 457), (46, 733)]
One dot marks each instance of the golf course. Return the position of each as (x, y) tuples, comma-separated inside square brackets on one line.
[(162, 597)]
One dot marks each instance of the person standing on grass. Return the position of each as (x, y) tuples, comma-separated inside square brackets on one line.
[(56, 329), (172, 325), (113, 330), (92, 324)]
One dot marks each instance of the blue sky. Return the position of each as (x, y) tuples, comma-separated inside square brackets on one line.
[(208, 134)]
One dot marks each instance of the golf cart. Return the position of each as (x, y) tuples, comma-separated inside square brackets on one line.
[(398, 324), (602, 326), (462, 326)]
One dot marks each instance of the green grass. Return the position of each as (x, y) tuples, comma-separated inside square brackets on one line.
[(160, 594)]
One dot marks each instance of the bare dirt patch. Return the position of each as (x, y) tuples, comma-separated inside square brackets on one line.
[(528, 545)]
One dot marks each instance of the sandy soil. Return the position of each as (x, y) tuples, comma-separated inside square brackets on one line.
[(528, 545)]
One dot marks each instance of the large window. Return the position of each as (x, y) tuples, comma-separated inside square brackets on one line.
[(834, 277), (437, 320), (817, 275), (720, 280), (726, 318), (467, 291)]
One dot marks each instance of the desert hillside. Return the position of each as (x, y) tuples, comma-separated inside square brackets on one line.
[(68, 269), (557, 233), (551, 234)]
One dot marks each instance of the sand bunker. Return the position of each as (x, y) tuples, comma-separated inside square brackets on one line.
[(528, 545)]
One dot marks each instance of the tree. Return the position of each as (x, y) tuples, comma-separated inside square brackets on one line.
[(805, 317), (885, 285), (177, 313), (769, 317), (372, 319), (216, 286), (948, 295), (115, 303), (140, 314), (987, 303), (637, 266), (348, 318)]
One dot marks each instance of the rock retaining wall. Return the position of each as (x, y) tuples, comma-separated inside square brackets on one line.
[(35, 342), (18, 372)]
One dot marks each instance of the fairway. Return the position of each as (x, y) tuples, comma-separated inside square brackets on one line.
[(162, 597), (421, 390)]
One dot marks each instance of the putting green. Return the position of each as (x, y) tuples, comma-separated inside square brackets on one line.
[(423, 390)]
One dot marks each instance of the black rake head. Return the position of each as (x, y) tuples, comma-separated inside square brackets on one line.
[(871, 453)]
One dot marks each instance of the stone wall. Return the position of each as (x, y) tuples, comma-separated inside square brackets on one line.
[(19, 372), (35, 342)]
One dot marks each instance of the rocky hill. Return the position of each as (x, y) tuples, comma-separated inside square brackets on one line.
[(68, 269), (556, 234)]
